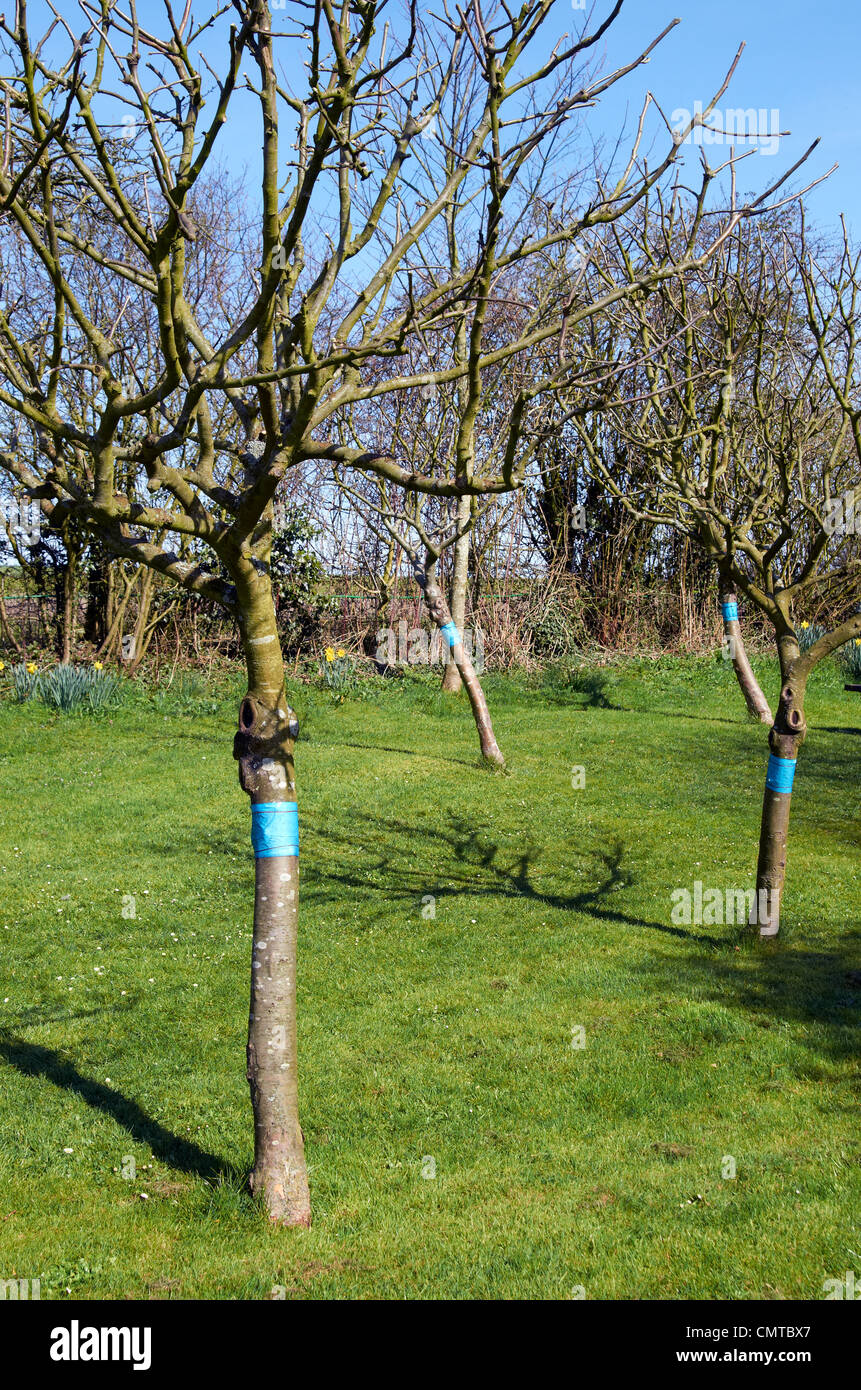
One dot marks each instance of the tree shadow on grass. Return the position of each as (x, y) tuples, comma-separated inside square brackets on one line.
[(473, 867), (434, 755), (817, 992), (744, 721), (30, 1059), (582, 689), (35, 1018), (779, 982)]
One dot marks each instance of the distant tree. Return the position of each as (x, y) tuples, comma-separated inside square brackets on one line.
[(742, 412), (298, 576)]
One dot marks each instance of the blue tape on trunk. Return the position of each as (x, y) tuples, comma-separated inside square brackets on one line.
[(450, 633), (780, 775), (274, 829), (730, 612)]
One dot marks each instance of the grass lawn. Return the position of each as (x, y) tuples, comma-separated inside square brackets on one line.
[(435, 1041)]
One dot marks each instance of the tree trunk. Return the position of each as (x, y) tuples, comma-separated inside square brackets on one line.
[(264, 748), (383, 613), (756, 702), (141, 621), (785, 739), (5, 625), (69, 599), (439, 611), (460, 576), (96, 621), (114, 638)]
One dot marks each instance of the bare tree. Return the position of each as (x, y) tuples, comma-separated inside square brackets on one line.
[(423, 544), (241, 395), (740, 417)]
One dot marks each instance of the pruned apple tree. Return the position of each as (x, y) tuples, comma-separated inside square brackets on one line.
[(736, 392)]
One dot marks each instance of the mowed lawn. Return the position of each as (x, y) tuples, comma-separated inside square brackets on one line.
[(435, 1036)]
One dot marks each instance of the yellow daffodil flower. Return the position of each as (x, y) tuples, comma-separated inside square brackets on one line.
[(97, 666), (341, 652), (31, 666), (330, 654)]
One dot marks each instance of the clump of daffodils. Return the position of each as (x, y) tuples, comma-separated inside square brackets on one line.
[(337, 671), (808, 634), (850, 659)]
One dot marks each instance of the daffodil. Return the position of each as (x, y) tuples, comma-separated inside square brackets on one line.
[(330, 654), (805, 625), (341, 651), (2, 665), (31, 667), (97, 666)]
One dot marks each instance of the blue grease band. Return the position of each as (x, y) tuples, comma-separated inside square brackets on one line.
[(781, 772), (730, 612), (274, 829), (450, 633)]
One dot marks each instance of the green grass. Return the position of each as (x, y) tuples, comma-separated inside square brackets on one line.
[(447, 1037)]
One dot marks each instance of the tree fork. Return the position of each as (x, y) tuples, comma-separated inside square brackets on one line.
[(439, 611), (756, 702)]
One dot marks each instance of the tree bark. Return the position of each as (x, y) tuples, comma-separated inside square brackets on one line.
[(383, 613), (69, 594), (785, 739), (756, 702), (452, 680), (264, 748), (5, 625), (114, 637), (96, 620), (144, 606), (439, 611)]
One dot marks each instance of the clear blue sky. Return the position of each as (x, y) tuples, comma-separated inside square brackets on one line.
[(801, 58)]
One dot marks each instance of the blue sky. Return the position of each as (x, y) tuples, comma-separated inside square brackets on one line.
[(800, 59)]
